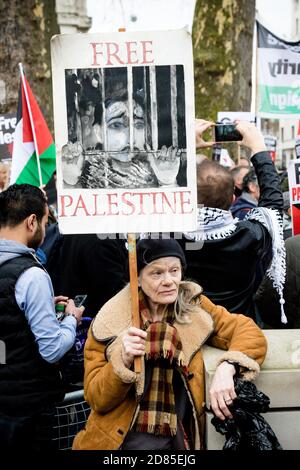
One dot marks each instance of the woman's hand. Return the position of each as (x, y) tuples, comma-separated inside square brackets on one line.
[(133, 344), (222, 390), (201, 126), (165, 164)]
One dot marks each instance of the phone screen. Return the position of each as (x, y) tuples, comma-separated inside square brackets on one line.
[(79, 300), (227, 133)]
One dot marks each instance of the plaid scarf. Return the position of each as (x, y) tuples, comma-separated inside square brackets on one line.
[(157, 413)]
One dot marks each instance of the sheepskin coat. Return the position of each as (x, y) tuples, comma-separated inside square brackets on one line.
[(111, 389)]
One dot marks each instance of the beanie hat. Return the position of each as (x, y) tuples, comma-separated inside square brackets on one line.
[(148, 250)]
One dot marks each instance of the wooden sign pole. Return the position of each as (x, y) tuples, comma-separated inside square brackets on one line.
[(134, 292)]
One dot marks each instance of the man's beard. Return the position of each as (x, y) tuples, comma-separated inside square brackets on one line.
[(37, 239)]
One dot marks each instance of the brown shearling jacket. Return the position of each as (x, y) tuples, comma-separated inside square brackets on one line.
[(111, 388)]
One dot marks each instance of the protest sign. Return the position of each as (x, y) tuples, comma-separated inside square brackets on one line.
[(297, 146), (271, 143), (7, 129), (124, 132), (224, 117)]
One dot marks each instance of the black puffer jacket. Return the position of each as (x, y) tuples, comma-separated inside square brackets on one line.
[(267, 299), (226, 268)]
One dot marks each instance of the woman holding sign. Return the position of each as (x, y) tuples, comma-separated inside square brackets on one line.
[(163, 407)]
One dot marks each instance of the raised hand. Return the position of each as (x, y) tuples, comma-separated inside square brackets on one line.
[(252, 137), (201, 126)]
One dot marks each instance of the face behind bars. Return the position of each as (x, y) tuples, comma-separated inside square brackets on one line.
[(118, 130)]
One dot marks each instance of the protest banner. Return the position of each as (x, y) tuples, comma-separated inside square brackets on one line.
[(124, 132), (294, 188), (225, 117), (297, 146), (271, 143), (278, 72)]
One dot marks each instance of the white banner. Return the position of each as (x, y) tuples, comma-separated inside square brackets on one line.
[(124, 131), (278, 75)]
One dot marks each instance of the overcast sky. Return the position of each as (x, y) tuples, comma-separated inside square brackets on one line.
[(275, 13)]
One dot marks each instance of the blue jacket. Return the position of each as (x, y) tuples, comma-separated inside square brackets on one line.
[(242, 205)]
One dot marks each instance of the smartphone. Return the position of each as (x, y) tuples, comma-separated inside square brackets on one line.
[(79, 300), (226, 133)]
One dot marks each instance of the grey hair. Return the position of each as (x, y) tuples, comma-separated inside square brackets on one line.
[(183, 308)]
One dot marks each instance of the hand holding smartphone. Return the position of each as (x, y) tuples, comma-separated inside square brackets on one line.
[(226, 133)]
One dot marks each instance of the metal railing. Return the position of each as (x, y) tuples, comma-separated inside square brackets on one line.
[(69, 419)]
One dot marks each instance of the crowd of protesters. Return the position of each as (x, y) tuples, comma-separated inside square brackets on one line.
[(237, 245)]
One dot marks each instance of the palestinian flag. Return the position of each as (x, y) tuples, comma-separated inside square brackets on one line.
[(24, 167)]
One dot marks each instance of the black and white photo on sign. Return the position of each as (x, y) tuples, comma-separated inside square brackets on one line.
[(126, 128)]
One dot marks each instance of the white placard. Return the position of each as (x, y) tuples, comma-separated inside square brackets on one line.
[(119, 100)]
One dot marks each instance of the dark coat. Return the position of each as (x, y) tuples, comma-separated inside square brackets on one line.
[(85, 264), (226, 268), (267, 299)]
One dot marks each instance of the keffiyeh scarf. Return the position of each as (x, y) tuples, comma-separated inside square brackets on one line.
[(214, 224), (157, 413)]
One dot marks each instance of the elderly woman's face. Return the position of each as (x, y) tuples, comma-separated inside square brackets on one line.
[(160, 280)]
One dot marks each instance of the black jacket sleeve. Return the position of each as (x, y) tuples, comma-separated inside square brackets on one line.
[(268, 181)]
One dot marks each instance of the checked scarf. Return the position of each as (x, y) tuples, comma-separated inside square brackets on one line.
[(157, 413)]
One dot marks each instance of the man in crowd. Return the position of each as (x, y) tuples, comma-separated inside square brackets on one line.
[(238, 174), (30, 380), (249, 197)]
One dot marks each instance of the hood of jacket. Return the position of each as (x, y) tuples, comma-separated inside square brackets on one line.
[(10, 249), (245, 201)]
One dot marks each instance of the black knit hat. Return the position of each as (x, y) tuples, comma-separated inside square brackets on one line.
[(148, 250)]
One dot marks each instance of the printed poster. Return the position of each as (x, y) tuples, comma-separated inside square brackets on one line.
[(124, 131), (7, 129)]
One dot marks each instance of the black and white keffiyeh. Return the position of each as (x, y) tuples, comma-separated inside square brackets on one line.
[(272, 221), (212, 224)]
